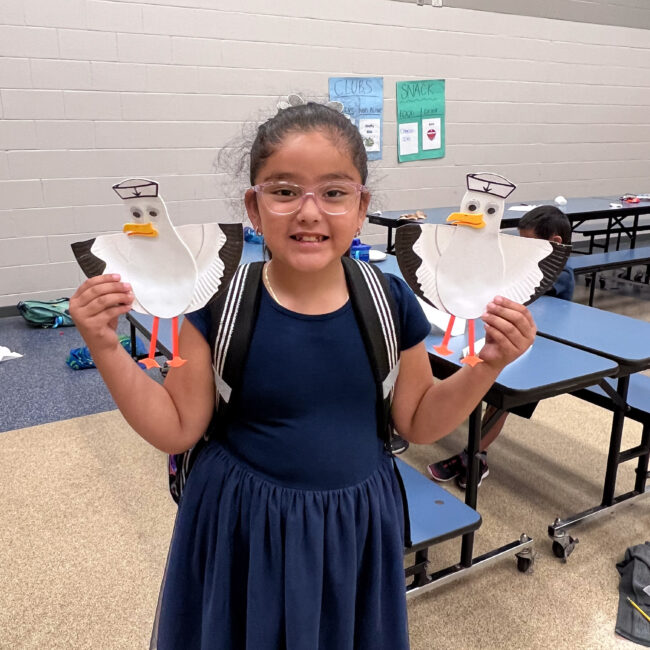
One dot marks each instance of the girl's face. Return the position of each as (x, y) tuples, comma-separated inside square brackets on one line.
[(309, 239)]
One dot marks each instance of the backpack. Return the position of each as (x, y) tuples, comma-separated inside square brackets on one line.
[(46, 313), (233, 317)]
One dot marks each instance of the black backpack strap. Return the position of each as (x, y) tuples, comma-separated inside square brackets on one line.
[(376, 314)]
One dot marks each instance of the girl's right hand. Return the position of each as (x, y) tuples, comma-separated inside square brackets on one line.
[(96, 306)]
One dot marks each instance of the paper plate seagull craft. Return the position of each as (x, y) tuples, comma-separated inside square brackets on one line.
[(172, 270), (460, 268)]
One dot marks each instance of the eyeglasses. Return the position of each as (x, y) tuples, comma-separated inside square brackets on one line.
[(331, 197)]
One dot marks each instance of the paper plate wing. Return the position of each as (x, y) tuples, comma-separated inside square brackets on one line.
[(217, 249), (91, 254), (532, 266), (418, 249)]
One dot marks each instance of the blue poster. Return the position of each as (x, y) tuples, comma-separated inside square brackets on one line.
[(363, 103)]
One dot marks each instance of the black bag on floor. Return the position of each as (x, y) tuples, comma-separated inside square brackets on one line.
[(634, 570), (46, 313)]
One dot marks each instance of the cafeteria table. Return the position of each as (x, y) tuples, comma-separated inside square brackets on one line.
[(625, 341), (578, 210)]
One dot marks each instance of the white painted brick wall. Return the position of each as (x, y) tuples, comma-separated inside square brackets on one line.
[(93, 91), (18, 41)]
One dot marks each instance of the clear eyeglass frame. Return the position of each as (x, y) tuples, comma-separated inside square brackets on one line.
[(283, 205)]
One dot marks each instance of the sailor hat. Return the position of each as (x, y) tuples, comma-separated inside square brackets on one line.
[(490, 184), (135, 188)]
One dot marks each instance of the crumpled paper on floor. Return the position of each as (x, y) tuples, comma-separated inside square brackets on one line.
[(6, 354)]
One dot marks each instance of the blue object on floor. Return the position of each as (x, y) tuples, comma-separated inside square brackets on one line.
[(80, 359)]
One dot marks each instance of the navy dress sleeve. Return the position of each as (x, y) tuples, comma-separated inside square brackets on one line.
[(413, 324), (201, 320)]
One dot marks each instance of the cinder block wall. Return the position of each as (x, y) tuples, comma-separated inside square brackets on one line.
[(94, 91)]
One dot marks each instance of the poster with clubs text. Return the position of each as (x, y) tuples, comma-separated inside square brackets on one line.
[(363, 104), (420, 119)]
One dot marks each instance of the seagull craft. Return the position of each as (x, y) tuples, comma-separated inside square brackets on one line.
[(172, 270), (460, 268)]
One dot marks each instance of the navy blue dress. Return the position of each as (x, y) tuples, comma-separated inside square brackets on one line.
[(289, 533)]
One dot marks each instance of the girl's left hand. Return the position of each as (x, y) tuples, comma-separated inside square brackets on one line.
[(509, 332)]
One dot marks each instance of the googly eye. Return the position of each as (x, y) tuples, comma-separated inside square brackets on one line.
[(491, 209), (136, 213), (472, 206), (153, 213)]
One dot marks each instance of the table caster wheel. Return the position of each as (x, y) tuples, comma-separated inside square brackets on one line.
[(526, 557), (564, 546), (525, 564)]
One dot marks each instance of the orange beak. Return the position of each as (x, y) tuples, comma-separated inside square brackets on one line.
[(465, 219), (141, 229)]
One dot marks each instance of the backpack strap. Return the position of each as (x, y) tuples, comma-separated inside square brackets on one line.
[(376, 315), (233, 316), (234, 321)]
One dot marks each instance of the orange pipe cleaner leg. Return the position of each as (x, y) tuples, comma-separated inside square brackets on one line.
[(442, 348), (472, 359), (176, 361), (150, 361)]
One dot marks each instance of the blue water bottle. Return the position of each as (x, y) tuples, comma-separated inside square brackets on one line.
[(360, 251)]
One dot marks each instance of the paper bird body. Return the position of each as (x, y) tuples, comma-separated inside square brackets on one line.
[(460, 268), (172, 270)]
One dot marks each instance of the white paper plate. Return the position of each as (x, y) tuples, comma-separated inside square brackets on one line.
[(376, 256)]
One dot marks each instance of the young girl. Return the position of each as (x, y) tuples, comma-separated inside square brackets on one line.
[(289, 533)]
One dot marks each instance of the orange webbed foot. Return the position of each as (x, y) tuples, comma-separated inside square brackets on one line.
[(442, 349), (149, 363), (471, 359), (177, 362)]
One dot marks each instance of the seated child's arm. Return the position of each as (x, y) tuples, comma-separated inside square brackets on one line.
[(424, 411)]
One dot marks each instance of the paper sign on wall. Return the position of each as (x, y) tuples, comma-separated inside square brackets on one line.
[(420, 119), (363, 103)]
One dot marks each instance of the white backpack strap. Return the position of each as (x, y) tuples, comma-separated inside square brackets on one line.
[(382, 306), (225, 330)]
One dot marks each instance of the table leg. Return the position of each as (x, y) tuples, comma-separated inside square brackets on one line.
[(134, 352), (389, 244), (615, 442), (592, 288), (642, 466), (471, 491)]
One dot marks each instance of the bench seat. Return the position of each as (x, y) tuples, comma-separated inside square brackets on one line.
[(435, 515), (638, 397), (597, 262)]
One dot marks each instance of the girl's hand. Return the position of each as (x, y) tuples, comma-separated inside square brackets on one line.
[(96, 306), (509, 332)]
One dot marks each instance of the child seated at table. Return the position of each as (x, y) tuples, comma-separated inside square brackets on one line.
[(543, 222)]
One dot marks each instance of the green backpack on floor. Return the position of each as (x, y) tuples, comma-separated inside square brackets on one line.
[(46, 313)]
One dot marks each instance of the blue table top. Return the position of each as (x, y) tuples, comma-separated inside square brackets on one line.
[(546, 369), (620, 338)]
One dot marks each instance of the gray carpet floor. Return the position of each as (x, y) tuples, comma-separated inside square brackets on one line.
[(39, 387), (87, 518)]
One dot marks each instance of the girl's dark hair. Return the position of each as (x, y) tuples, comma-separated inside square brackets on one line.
[(303, 119), (547, 221)]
